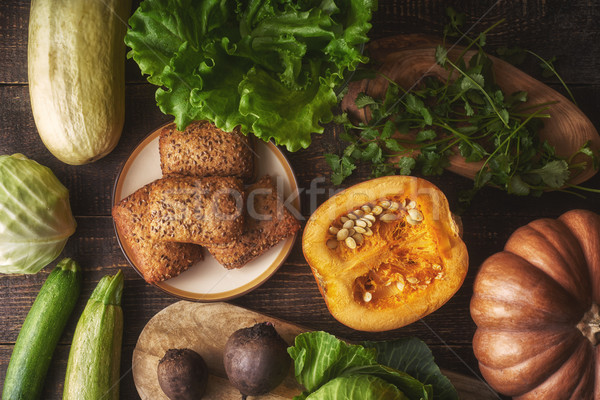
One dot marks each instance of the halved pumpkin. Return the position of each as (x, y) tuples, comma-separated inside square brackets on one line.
[(400, 259)]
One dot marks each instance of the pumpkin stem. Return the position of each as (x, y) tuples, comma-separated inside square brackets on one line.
[(590, 325)]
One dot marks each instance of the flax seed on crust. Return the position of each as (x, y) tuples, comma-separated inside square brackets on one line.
[(203, 211), (267, 223), (156, 260), (202, 149)]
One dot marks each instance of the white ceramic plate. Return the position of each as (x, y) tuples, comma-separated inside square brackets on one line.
[(207, 280)]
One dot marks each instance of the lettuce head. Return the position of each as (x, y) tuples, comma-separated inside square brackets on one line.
[(270, 67)]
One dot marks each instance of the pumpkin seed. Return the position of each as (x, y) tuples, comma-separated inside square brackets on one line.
[(400, 285), (332, 244), (440, 275), (370, 217), (411, 221), (367, 297), (389, 217), (366, 209), (352, 216), (412, 279), (393, 206), (342, 234), (437, 267), (351, 231), (415, 214), (333, 230), (348, 224), (358, 213), (384, 204), (358, 238), (344, 219), (377, 210), (411, 204), (361, 223), (359, 229), (350, 242), (368, 232)]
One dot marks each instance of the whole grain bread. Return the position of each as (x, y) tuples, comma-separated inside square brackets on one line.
[(268, 222), (202, 149), (155, 260), (203, 211)]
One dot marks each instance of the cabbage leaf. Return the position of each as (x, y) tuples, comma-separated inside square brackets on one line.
[(35, 215), (321, 358), (270, 67)]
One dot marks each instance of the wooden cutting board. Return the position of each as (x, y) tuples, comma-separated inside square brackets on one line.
[(205, 328)]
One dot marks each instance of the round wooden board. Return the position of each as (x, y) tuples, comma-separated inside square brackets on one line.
[(205, 328)]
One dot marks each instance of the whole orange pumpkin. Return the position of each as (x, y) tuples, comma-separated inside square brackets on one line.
[(536, 309)]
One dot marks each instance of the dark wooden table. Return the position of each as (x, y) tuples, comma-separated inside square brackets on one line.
[(568, 30)]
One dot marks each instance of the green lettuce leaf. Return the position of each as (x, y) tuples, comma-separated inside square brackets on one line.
[(270, 67), (320, 358)]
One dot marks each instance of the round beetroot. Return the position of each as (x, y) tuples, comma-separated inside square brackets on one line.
[(182, 374), (256, 359)]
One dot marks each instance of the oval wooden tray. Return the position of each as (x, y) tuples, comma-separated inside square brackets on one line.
[(406, 59), (205, 328)]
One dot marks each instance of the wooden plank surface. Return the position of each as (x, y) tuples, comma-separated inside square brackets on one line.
[(568, 30)]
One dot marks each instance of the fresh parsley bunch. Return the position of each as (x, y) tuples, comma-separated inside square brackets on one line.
[(467, 115)]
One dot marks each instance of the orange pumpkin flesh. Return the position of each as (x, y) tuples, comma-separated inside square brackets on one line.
[(536, 309), (408, 269)]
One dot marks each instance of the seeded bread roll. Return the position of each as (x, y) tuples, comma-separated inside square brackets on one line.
[(156, 260), (203, 211), (267, 223), (202, 149)]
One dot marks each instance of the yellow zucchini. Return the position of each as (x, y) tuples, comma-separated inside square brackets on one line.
[(76, 72)]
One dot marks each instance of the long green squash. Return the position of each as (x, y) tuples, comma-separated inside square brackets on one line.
[(95, 356), (41, 331), (76, 68)]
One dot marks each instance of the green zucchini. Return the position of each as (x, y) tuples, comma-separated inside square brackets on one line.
[(95, 356), (41, 331), (76, 72)]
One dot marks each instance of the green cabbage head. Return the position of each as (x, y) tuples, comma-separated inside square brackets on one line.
[(35, 215)]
